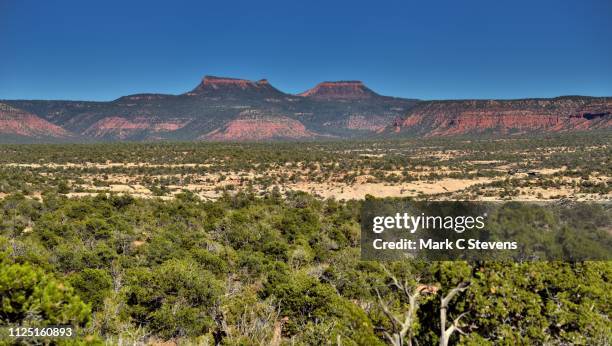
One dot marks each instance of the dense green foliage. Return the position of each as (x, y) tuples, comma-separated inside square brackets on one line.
[(261, 270), (31, 296)]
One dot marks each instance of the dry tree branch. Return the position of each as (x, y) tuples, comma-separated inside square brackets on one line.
[(401, 333), (445, 333)]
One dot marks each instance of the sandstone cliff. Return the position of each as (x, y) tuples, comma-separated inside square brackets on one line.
[(443, 118)]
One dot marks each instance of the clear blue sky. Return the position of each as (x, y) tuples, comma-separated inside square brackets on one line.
[(100, 50)]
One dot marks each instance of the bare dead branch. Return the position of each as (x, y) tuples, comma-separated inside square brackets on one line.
[(401, 328), (452, 293), (446, 333)]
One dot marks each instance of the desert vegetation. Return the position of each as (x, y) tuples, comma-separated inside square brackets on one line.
[(268, 270), (519, 168), (210, 243)]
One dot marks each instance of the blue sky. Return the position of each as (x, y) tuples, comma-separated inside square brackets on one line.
[(425, 49)]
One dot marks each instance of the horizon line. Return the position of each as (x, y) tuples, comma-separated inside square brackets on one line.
[(256, 81)]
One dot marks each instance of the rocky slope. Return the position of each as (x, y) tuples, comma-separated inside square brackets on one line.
[(229, 109), (255, 126), (17, 125), (219, 108), (504, 117)]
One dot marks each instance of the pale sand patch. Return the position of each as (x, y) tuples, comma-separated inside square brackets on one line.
[(139, 189), (372, 155), (443, 156), (484, 162), (138, 243), (359, 191), (549, 171)]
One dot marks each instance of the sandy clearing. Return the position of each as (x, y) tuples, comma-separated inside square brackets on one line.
[(484, 162), (359, 191)]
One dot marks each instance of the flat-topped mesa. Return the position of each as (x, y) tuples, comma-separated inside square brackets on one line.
[(220, 82), (340, 90), (143, 97), (461, 117), (211, 84)]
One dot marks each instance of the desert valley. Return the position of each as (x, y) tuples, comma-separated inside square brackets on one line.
[(230, 215)]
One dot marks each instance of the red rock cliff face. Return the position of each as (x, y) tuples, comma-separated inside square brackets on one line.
[(364, 122), (17, 122), (220, 85), (253, 125), (123, 128), (443, 118), (350, 90)]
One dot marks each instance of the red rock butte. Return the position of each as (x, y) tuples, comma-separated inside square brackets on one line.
[(222, 108), (340, 90), (222, 82)]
